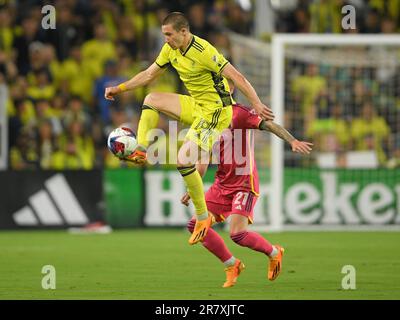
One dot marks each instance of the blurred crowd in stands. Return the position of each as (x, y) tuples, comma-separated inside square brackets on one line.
[(59, 119), (346, 108)]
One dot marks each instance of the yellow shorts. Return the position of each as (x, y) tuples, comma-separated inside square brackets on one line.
[(206, 124)]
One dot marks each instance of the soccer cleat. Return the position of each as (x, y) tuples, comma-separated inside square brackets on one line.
[(139, 156), (232, 273), (200, 230), (275, 264)]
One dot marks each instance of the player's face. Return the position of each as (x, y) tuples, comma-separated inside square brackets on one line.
[(174, 38)]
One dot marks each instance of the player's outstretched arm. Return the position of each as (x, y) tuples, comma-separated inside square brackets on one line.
[(297, 146), (141, 79), (247, 89)]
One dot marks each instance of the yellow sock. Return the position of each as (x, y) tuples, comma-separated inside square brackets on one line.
[(148, 120), (194, 185)]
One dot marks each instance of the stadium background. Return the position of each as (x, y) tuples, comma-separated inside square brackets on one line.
[(56, 123)]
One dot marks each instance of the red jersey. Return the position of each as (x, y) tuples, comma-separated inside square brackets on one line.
[(237, 168)]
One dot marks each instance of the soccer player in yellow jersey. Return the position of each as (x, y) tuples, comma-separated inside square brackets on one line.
[(208, 109)]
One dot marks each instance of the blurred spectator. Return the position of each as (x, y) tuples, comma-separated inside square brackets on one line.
[(127, 37), (66, 33), (27, 34), (370, 132), (238, 20), (97, 51), (300, 21), (156, 38), (77, 149), (76, 112), (24, 155), (6, 31), (198, 22), (143, 17), (388, 25), (306, 88), (389, 9), (326, 16), (77, 75), (7, 67), (44, 112), (46, 144), (43, 87), (106, 13), (110, 78), (372, 22), (330, 134)]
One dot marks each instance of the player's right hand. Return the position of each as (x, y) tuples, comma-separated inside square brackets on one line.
[(111, 92), (301, 146), (185, 199), (264, 112)]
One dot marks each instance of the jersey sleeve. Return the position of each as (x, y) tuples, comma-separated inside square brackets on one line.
[(213, 60), (163, 58), (244, 118)]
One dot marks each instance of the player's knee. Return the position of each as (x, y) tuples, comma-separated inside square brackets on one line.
[(238, 236), (151, 100), (190, 225), (188, 154)]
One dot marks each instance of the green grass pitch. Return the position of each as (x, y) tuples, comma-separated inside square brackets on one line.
[(159, 264)]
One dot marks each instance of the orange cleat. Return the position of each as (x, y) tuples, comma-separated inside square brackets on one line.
[(232, 273), (139, 156), (200, 230), (275, 264)]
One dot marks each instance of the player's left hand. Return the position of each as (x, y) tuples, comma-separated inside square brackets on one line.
[(185, 199), (301, 146)]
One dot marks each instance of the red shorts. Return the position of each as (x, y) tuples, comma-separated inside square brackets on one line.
[(222, 203)]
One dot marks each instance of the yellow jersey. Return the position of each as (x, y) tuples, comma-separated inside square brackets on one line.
[(199, 68)]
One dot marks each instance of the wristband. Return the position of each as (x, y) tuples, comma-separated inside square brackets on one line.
[(122, 87)]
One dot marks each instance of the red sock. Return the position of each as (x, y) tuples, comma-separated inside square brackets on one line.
[(253, 241), (213, 242)]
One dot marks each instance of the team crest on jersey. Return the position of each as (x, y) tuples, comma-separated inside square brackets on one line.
[(253, 111), (215, 59)]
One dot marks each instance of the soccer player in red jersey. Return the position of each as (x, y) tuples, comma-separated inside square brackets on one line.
[(235, 192)]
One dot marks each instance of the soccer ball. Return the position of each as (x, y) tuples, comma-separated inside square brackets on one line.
[(122, 142)]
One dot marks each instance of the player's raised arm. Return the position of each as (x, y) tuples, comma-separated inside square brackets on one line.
[(297, 146), (247, 89), (141, 79)]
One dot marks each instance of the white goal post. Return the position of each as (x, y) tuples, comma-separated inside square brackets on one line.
[(279, 44)]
